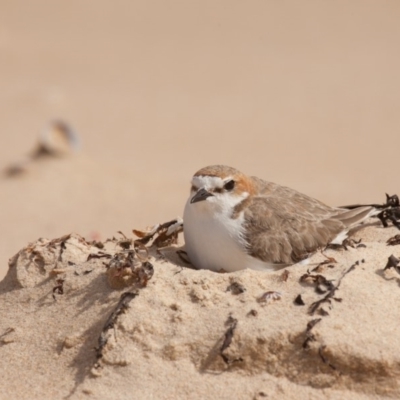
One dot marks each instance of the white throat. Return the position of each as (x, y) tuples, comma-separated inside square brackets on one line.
[(214, 239)]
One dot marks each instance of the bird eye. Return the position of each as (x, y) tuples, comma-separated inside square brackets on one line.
[(229, 185)]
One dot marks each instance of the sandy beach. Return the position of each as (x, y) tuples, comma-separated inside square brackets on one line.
[(77, 326), (302, 94)]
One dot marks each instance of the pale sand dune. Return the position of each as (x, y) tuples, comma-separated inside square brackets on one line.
[(167, 342)]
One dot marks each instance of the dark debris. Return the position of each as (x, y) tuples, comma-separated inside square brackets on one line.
[(59, 288), (121, 307), (236, 288), (285, 275), (232, 323), (393, 241), (349, 242), (252, 313), (392, 213), (162, 235), (100, 254), (390, 210), (323, 357), (299, 301), (331, 293), (320, 283), (126, 263), (393, 262), (310, 337)]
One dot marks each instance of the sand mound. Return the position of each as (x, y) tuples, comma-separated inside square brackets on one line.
[(73, 327)]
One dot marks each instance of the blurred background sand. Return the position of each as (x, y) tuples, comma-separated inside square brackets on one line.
[(305, 94)]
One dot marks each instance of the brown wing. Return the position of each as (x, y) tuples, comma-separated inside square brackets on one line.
[(285, 226)]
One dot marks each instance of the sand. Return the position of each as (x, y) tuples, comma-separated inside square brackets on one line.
[(305, 95), (187, 333)]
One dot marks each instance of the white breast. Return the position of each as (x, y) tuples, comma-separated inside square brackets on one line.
[(214, 241)]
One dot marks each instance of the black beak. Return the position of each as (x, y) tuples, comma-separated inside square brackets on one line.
[(201, 195)]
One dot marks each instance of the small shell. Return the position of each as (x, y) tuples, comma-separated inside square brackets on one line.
[(269, 297), (58, 137)]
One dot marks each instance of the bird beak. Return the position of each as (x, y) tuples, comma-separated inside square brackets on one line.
[(201, 195)]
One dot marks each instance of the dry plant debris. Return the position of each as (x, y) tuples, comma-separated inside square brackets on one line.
[(126, 268), (393, 262), (393, 241), (100, 254), (331, 293), (252, 313), (122, 305), (4, 339), (299, 301), (59, 288), (320, 283), (390, 210), (232, 324), (131, 264), (323, 357), (162, 235), (236, 288), (349, 242), (285, 275), (355, 244), (310, 337), (392, 213)]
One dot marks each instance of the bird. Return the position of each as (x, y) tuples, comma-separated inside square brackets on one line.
[(232, 221)]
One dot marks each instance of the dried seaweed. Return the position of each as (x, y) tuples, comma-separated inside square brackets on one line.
[(353, 243), (323, 357), (232, 322), (349, 242), (236, 288), (320, 283), (59, 288), (299, 301), (126, 268), (100, 254), (97, 243), (145, 273), (253, 313), (4, 340), (310, 337), (121, 307), (285, 275), (330, 295), (392, 213), (393, 241), (61, 242), (328, 262), (393, 262), (390, 210), (162, 235)]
